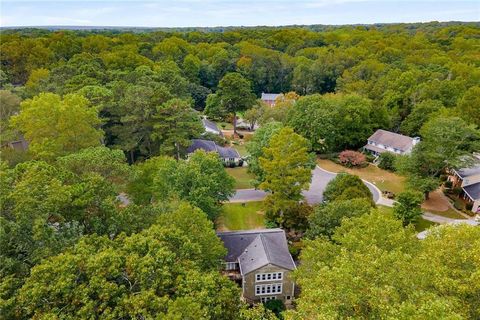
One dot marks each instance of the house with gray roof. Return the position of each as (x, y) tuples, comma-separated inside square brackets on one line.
[(259, 260), (271, 98), (469, 180), (229, 156), (385, 141), (211, 127)]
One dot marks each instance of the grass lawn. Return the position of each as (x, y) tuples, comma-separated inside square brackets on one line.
[(450, 213), (241, 176), (234, 216), (384, 180), (241, 149), (421, 224)]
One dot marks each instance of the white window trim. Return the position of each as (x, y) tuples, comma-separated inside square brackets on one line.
[(229, 264), (265, 299), (278, 276), (273, 289)]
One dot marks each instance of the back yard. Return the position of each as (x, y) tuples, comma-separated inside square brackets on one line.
[(241, 176), (236, 216)]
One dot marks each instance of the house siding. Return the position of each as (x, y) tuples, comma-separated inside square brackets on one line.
[(249, 282)]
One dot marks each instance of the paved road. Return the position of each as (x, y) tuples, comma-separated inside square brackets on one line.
[(320, 179)]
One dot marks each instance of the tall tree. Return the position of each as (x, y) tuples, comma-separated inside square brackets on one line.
[(287, 165), (448, 142), (176, 123), (54, 126), (377, 269), (234, 94), (256, 146), (163, 271), (407, 208)]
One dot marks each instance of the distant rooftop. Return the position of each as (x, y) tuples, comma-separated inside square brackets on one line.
[(270, 96)]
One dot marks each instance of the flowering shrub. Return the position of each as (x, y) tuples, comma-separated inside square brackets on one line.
[(350, 158)]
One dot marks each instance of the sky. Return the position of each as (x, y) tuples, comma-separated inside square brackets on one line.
[(211, 13)]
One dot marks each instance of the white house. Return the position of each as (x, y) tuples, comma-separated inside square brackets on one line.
[(386, 141), (211, 127)]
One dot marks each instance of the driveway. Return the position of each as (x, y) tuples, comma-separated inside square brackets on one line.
[(314, 195)]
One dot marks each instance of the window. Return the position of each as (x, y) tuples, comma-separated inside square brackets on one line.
[(259, 277), (274, 288), (265, 299), (231, 266)]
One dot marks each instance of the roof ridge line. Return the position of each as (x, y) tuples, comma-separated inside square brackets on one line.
[(265, 248)]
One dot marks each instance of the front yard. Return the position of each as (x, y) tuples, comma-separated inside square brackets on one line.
[(384, 180), (236, 216), (241, 176)]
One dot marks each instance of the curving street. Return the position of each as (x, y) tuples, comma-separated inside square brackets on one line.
[(320, 179)]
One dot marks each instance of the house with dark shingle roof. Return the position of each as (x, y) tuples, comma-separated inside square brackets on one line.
[(469, 180), (229, 156), (259, 260), (385, 141)]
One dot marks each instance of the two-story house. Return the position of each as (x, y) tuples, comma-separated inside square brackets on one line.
[(386, 141), (260, 262), (469, 180)]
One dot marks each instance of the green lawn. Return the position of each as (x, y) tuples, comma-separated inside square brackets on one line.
[(384, 180), (450, 213), (234, 216), (241, 149), (421, 224), (241, 176)]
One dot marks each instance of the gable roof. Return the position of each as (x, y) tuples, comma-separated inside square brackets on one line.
[(270, 96), (210, 146), (253, 249), (210, 125), (470, 171), (473, 191), (391, 139)]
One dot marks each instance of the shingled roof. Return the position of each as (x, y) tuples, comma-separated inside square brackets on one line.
[(207, 124), (391, 139), (270, 96), (211, 146), (253, 249)]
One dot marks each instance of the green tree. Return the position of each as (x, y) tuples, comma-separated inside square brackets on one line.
[(467, 108), (287, 165), (346, 186), (234, 94), (419, 115), (108, 163), (256, 146), (448, 142), (176, 123), (162, 271), (407, 208), (386, 161), (56, 127), (326, 218), (201, 180), (9, 106), (375, 269)]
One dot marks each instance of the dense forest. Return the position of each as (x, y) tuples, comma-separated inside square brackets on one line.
[(111, 112)]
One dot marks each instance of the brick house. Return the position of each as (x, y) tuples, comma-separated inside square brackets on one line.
[(469, 180), (260, 262)]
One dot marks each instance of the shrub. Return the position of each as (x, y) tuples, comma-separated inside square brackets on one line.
[(386, 161), (448, 184), (469, 206), (350, 158), (346, 186), (458, 204), (276, 306)]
